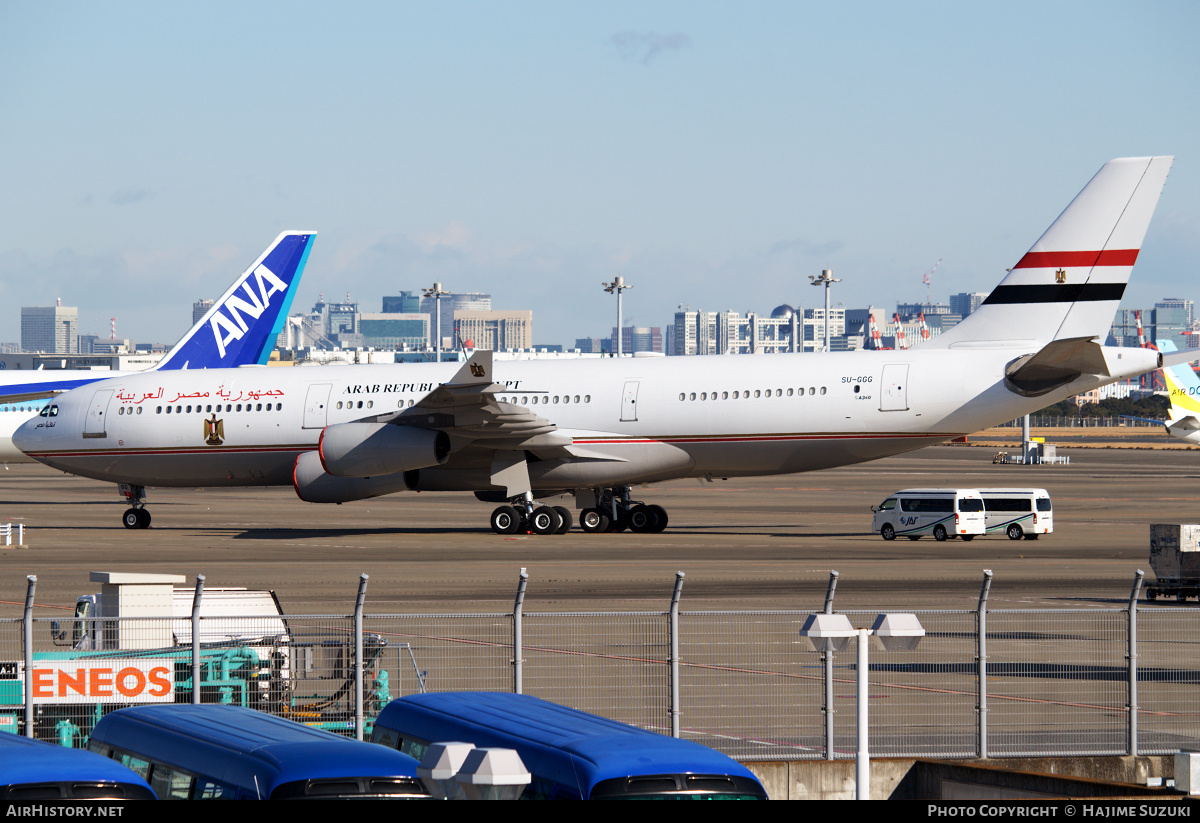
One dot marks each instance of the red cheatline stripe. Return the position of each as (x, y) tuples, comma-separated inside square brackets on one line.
[(1077, 259)]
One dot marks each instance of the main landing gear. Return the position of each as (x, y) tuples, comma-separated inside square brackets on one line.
[(136, 516), (614, 512), (522, 515)]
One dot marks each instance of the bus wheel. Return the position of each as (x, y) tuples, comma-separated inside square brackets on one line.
[(939, 533), (887, 532), (1015, 532)]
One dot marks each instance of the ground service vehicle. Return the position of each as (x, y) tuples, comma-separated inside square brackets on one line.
[(209, 752), (943, 513), (1018, 512), (32, 770), (1175, 561), (571, 754)]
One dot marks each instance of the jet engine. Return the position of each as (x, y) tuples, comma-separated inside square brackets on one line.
[(375, 449), (314, 485)]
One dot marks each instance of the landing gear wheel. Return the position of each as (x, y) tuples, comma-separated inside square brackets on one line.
[(132, 519), (567, 520), (144, 518), (1015, 532), (505, 520), (594, 521), (642, 519), (545, 520), (939, 533), (620, 524), (887, 532), (661, 514)]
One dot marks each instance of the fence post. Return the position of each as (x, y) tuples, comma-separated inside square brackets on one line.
[(30, 588), (675, 708), (518, 661), (827, 658), (196, 639), (1132, 658), (359, 668), (982, 661)]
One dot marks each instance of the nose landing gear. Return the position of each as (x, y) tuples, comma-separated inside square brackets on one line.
[(136, 516)]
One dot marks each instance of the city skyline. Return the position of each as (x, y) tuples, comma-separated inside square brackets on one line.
[(535, 150)]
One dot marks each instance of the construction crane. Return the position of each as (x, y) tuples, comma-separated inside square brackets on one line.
[(927, 279)]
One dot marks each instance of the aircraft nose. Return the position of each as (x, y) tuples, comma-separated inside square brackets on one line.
[(27, 435)]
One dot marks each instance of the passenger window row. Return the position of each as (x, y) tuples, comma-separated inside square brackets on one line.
[(528, 400), (198, 409), (746, 395)]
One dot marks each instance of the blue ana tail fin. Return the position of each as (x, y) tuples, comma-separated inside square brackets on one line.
[(241, 328)]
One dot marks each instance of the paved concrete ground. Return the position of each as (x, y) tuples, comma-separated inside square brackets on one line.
[(765, 543)]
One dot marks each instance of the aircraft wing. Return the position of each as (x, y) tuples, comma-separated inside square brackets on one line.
[(467, 410)]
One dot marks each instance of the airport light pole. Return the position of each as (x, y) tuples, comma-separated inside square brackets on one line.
[(436, 293), (832, 632), (826, 279), (618, 285)]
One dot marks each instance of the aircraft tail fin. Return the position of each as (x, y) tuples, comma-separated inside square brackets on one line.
[(241, 328), (1182, 384), (1068, 285)]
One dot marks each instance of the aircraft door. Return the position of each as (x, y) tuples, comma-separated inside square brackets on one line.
[(629, 401), (316, 413), (93, 426), (893, 388)]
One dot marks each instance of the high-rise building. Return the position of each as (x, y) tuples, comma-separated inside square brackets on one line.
[(200, 308), (407, 302), (637, 338), (1173, 318), (964, 303), (592, 345), (50, 329), (451, 303), (493, 329), (393, 330)]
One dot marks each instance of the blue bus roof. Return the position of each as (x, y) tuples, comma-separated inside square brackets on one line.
[(237, 746), (555, 742), (26, 761)]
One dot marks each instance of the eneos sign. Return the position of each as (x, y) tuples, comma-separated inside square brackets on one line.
[(102, 681)]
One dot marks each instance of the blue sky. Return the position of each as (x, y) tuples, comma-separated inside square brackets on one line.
[(714, 154)]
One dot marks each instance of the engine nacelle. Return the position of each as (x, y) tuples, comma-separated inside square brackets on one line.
[(314, 485), (374, 449)]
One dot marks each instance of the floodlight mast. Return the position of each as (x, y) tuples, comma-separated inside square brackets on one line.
[(831, 632), (826, 279), (436, 293), (618, 285)]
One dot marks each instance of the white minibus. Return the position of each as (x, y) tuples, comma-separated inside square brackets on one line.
[(1018, 512), (943, 513)]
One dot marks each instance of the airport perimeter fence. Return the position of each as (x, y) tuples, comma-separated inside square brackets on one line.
[(981, 682), (1046, 421)]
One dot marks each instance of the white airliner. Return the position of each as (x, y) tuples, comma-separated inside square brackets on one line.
[(513, 432), (251, 301)]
